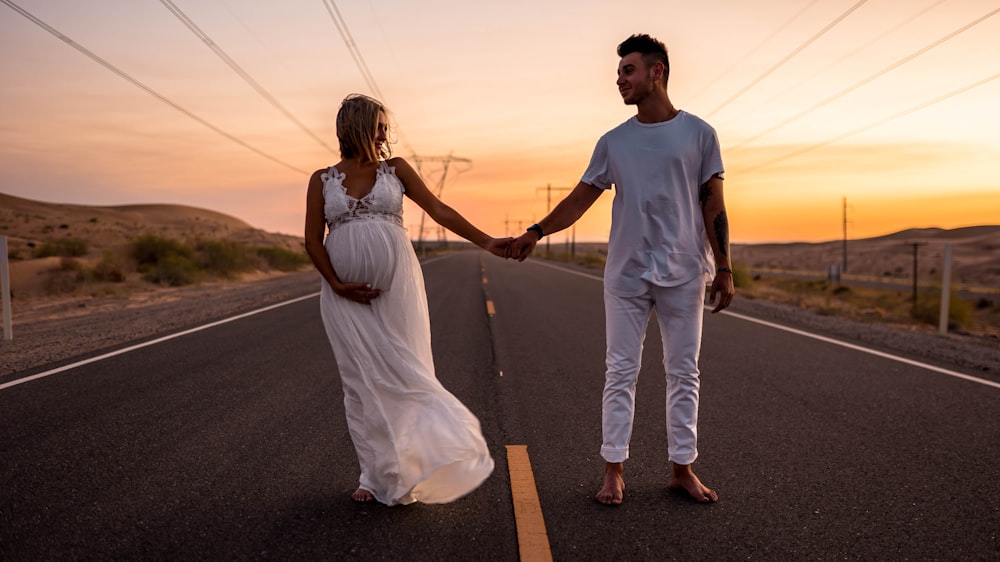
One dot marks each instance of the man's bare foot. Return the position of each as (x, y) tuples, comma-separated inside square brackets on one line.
[(362, 495), (613, 489), (683, 478)]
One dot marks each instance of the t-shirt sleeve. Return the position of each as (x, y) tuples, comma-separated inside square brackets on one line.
[(598, 173), (711, 157)]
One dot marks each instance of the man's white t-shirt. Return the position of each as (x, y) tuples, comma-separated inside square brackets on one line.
[(657, 229)]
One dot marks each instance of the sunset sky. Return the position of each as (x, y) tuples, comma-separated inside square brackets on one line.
[(891, 104)]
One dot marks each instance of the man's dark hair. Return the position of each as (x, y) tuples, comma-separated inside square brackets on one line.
[(651, 49)]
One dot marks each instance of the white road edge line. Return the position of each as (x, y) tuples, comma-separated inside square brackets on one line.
[(152, 342), (166, 338), (822, 338), (865, 350)]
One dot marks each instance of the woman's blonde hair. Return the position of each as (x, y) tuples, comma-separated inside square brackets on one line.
[(357, 125)]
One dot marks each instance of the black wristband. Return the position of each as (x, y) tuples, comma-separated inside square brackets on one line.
[(724, 270), (537, 229)]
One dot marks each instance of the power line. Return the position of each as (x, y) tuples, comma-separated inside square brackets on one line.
[(189, 23), (366, 73), (865, 81), (352, 47), (787, 58), (879, 37), (121, 73), (883, 121), (359, 60), (746, 56)]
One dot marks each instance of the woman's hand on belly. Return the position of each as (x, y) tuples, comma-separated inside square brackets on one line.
[(362, 293)]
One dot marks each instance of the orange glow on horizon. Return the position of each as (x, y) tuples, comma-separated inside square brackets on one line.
[(893, 107)]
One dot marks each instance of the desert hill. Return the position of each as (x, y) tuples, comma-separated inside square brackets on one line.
[(28, 223), (975, 249), (975, 255)]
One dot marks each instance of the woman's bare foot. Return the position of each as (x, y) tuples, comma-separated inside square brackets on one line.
[(362, 495), (683, 478), (613, 490)]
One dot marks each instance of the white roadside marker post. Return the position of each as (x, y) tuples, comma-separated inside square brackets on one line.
[(8, 334)]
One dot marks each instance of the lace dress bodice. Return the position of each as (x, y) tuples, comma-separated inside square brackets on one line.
[(384, 202)]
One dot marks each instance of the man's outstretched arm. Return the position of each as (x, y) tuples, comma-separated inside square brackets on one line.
[(567, 212)]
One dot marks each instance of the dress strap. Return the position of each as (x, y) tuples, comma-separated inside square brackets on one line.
[(386, 169), (330, 172)]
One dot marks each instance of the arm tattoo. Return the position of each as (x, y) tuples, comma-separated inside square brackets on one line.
[(721, 225), (704, 194)]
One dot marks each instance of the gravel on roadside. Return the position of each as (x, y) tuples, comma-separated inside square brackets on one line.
[(106, 323), (954, 350)]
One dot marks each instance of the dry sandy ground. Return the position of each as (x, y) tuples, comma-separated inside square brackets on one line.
[(52, 330), (28, 224)]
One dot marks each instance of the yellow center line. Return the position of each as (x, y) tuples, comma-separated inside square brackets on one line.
[(532, 539), (490, 308)]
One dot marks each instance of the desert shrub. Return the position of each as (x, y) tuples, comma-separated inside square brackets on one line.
[(71, 265), (282, 259), (173, 270), (66, 278), (164, 261), (62, 247), (111, 268), (149, 250), (222, 258), (928, 310), (170, 262)]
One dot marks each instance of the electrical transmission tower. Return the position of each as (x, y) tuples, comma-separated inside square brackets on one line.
[(445, 165)]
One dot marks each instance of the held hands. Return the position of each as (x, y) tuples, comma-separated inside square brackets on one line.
[(358, 292), (499, 247), (522, 246), (512, 248)]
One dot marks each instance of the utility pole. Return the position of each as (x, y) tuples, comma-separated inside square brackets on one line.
[(506, 226), (548, 209), (945, 292), (8, 333), (843, 264), (445, 163), (915, 245)]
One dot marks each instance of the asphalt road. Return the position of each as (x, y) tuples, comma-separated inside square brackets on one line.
[(230, 443)]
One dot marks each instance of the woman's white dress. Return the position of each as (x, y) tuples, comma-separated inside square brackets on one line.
[(415, 441)]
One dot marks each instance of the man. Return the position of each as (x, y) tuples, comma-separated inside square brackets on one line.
[(668, 222)]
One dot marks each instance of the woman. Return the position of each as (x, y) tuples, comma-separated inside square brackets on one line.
[(415, 441)]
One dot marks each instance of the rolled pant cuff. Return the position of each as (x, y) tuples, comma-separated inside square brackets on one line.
[(612, 454), (687, 458)]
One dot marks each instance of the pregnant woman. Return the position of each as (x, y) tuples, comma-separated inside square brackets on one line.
[(415, 441)]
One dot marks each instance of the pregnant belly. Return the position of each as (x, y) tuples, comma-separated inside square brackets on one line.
[(365, 252)]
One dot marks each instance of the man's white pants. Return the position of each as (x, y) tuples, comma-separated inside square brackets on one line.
[(679, 312)]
